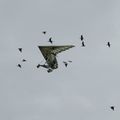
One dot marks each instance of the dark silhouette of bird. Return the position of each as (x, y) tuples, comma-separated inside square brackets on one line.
[(38, 66), (81, 38), (20, 49), (69, 61), (112, 107), (24, 60), (65, 63), (19, 65), (50, 40), (83, 44), (108, 44), (44, 32)]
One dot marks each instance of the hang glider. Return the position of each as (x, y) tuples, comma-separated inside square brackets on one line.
[(50, 52)]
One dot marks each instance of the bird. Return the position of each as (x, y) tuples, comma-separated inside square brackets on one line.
[(65, 63), (69, 61), (20, 49), (19, 65), (50, 40), (44, 32), (112, 107), (38, 66), (108, 44), (24, 60), (81, 38), (83, 44)]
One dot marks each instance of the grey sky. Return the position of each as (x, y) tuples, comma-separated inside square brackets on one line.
[(85, 89)]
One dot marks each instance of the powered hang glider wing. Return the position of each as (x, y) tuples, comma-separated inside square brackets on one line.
[(53, 50)]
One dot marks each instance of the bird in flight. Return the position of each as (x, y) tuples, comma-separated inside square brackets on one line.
[(83, 44), (108, 44), (50, 40), (20, 49), (69, 61), (24, 60), (65, 63), (112, 107), (44, 32), (19, 65), (81, 38)]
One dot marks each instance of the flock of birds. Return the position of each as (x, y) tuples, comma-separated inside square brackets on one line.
[(82, 40), (65, 62), (23, 60), (51, 41)]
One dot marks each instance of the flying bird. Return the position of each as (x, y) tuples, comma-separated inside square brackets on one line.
[(24, 60), (112, 107), (44, 32), (50, 40), (81, 38), (19, 65), (108, 44), (83, 44), (65, 63), (20, 49)]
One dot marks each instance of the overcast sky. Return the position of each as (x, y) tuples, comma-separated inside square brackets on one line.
[(82, 91)]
